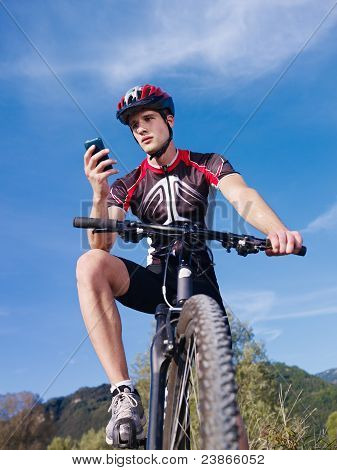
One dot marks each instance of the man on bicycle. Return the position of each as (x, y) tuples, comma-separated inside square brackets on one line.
[(169, 186)]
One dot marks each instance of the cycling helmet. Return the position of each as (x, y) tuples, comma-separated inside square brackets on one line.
[(147, 97)]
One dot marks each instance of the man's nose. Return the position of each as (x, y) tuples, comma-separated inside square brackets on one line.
[(141, 129)]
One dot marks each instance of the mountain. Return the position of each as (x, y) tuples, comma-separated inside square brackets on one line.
[(87, 408), (315, 393), (329, 375), (77, 413), (72, 415)]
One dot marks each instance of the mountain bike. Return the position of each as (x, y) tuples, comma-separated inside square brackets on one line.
[(193, 391)]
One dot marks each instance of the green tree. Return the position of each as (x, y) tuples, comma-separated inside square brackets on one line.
[(63, 443), (90, 440), (93, 440), (140, 372), (257, 389), (274, 419), (331, 427)]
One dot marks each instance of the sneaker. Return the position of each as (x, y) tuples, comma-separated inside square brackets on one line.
[(126, 425)]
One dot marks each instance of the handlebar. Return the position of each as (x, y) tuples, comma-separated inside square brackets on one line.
[(134, 231)]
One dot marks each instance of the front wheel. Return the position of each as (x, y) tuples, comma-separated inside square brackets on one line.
[(201, 410)]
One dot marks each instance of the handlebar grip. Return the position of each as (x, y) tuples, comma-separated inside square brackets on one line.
[(302, 252), (88, 222), (81, 222)]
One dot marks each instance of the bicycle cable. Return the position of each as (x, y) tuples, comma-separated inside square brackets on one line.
[(170, 245)]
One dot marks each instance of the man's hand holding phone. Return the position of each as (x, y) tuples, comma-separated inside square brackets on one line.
[(98, 167)]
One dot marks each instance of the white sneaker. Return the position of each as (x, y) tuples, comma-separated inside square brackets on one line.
[(126, 425)]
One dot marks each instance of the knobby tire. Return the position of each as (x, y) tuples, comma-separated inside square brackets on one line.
[(201, 409)]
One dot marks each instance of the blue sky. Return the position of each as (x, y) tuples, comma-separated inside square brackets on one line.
[(218, 59)]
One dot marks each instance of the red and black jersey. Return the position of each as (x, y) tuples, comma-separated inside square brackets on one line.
[(178, 194)]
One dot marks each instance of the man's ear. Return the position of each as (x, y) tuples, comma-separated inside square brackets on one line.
[(170, 119)]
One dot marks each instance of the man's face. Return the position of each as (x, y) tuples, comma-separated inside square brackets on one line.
[(150, 129)]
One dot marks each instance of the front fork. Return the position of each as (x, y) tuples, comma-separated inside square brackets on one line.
[(161, 354), (162, 349)]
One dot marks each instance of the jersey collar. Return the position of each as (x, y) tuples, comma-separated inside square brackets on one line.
[(172, 165)]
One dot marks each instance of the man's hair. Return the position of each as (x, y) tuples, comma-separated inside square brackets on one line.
[(167, 112), (163, 112)]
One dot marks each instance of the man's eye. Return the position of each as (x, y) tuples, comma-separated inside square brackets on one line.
[(136, 125)]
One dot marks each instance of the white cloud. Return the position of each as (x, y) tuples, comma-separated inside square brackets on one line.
[(250, 306), (268, 334), (322, 295), (222, 40), (331, 310), (325, 221), (256, 307), (213, 43)]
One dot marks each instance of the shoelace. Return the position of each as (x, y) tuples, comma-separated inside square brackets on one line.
[(119, 399)]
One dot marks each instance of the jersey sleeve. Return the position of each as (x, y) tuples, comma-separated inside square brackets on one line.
[(118, 194), (217, 168)]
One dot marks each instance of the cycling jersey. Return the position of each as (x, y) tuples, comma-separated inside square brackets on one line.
[(174, 194)]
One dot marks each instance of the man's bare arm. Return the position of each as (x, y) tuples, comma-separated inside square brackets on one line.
[(104, 241), (252, 207), (249, 204)]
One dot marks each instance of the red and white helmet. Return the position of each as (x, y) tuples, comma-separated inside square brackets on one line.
[(144, 96)]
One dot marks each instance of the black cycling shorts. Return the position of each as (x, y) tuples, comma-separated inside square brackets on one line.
[(145, 291)]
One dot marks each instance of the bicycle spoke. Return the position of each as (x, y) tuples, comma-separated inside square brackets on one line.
[(186, 414), (185, 419), (193, 385), (195, 433), (183, 430), (178, 409)]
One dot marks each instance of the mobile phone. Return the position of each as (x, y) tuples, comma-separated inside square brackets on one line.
[(99, 145)]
